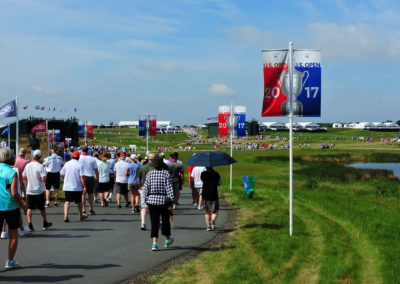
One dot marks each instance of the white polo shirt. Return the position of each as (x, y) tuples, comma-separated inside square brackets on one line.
[(89, 164), (34, 171), (72, 172), (53, 163), (120, 169)]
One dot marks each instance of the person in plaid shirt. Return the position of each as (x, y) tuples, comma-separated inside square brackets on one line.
[(159, 196)]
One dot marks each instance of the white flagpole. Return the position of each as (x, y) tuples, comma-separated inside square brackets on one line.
[(231, 130), (48, 138), (147, 132), (291, 139), (16, 128)]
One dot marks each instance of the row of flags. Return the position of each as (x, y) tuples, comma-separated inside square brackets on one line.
[(38, 107)]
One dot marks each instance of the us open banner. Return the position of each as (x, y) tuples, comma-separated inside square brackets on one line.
[(306, 83)]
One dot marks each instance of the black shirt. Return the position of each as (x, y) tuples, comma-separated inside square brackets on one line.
[(210, 185)]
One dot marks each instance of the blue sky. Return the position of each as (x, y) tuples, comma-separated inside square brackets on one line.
[(181, 59)]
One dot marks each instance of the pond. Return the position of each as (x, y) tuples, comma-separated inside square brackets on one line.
[(394, 167)]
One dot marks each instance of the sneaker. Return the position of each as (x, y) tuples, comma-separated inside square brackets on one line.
[(55, 204), (84, 212), (137, 209), (31, 229), (133, 210), (11, 264), (127, 204), (143, 227), (91, 212), (4, 235), (169, 242), (208, 228), (119, 206), (66, 220), (46, 225), (24, 231), (154, 247), (213, 225), (47, 205), (196, 205), (83, 217)]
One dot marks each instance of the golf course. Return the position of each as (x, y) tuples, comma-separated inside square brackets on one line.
[(346, 220)]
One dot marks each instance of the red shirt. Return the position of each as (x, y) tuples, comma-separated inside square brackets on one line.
[(20, 164)]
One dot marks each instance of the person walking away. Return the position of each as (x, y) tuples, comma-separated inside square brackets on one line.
[(91, 174), (104, 177), (121, 180), (133, 184), (53, 165), (20, 164), (10, 203), (197, 184), (35, 174), (211, 180), (159, 196), (143, 171), (74, 179), (176, 172), (190, 180), (34, 143), (111, 162)]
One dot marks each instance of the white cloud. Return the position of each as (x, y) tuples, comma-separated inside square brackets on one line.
[(44, 90), (220, 90), (353, 42)]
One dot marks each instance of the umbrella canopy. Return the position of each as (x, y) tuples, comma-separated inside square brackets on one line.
[(210, 159)]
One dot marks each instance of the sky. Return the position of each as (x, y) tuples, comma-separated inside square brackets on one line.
[(182, 59)]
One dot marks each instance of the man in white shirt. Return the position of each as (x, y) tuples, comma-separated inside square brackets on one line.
[(91, 177), (121, 181), (53, 165), (104, 177), (35, 174), (197, 183), (73, 176)]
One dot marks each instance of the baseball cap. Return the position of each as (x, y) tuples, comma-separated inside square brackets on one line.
[(75, 154), (37, 153), (133, 156), (122, 155)]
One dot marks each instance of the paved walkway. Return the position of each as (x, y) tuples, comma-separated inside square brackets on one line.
[(106, 248)]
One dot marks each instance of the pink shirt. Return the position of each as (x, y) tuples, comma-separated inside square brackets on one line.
[(20, 164)]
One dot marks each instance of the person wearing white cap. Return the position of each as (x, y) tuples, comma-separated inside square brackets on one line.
[(35, 174), (133, 184), (53, 165)]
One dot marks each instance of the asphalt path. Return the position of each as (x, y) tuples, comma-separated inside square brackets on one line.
[(108, 247)]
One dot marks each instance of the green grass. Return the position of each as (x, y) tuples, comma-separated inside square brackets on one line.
[(345, 222)]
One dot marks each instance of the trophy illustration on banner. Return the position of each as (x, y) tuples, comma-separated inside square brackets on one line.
[(232, 120), (299, 80)]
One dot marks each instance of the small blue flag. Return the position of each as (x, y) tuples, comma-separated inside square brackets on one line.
[(6, 131)]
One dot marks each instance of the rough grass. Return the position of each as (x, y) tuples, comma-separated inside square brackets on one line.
[(345, 223)]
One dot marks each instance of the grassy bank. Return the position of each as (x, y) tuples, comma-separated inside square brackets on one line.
[(345, 223)]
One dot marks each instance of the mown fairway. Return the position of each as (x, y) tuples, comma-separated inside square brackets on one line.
[(346, 221)]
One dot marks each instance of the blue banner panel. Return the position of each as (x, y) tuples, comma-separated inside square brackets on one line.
[(142, 127), (241, 124)]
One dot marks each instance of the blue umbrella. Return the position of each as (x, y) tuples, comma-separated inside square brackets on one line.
[(210, 159)]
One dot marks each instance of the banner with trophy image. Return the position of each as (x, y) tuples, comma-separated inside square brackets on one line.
[(306, 83)]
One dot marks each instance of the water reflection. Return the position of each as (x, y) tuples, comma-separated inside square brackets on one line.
[(394, 167)]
